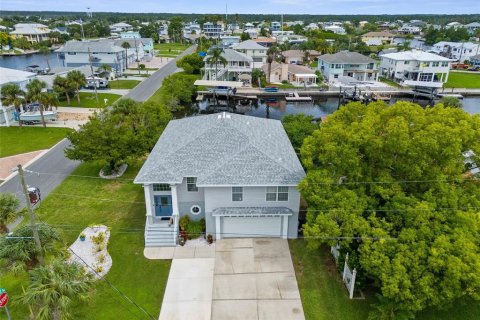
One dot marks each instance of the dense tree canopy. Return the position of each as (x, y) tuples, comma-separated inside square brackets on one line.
[(395, 176), (298, 127), (125, 132), (191, 63)]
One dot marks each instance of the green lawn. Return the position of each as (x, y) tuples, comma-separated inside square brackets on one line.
[(324, 295), (170, 49), (87, 100), (389, 82), (16, 140), (73, 206), (123, 84), (467, 80)]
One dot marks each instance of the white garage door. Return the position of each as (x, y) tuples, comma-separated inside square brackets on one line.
[(237, 227)]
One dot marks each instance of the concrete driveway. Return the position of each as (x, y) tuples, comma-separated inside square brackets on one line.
[(245, 279)]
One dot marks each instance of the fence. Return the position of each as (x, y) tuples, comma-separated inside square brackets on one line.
[(348, 276)]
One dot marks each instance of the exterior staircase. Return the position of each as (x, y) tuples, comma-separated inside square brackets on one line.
[(160, 235)]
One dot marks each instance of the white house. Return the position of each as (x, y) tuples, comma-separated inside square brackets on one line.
[(19, 77), (252, 33), (472, 27), (228, 42), (116, 28), (407, 29), (461, 51), (33, 32), (239, 173), (335, 29), (347, 64), (252, 49), (415, 68), (294, 74), (275, 26), (454, 25), (239, 66), (136, 51), (76, 54), (212, 30)]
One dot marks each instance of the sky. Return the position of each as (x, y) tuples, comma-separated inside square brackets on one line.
[(252, 6)]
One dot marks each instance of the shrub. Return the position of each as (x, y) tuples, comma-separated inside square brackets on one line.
[(203, 224), (99, 238), (99, 248), (184, 222), (101, 258), (98, 268), (194, 229), (210, 239)]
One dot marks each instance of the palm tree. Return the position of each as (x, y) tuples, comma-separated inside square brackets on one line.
[(49, 100), (45, 51), (256, 75), (53, 289), (78, 80), (216, 57), (63, 85), (8, 210), (272, 51), (13, 95), (126, 46), (105, 68), (35, 94)]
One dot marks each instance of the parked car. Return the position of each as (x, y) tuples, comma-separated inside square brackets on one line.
[(474, 69), (459, 66)]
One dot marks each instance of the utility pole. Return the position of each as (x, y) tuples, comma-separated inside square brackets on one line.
[(93, 77), (33, 224)]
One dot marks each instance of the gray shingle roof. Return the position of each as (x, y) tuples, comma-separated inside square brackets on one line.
[(95, 46), (249, 45), (223, 149), (346, 57)]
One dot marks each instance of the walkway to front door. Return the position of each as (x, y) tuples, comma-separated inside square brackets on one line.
[(249, 279)]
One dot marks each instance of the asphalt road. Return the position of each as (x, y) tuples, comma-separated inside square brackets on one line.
[(54, 168), (148, 87)]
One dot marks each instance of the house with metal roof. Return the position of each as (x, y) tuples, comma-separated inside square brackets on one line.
[(97, 52), (252, 49), (347, 64), (300, 76), (33, 32), (239, 173), (239, 66)]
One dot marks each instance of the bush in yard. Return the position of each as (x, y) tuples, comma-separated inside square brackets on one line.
[(298, 127), (127, 131), (191, 63), (20, 250), (184, 222), (451, 102), (9, 210), (394, 177), (194, 229)]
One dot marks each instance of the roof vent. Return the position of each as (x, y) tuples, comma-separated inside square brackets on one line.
[(224, 115)]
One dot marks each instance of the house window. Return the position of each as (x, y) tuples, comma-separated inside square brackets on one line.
[(445, 64), (192, 184), (406, 62), (195, 210), (237, 193), (277, 194), (335, 76), (435, 64), (161, 187)]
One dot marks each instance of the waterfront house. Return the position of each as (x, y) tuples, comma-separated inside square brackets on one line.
[(76, 53), (375, 38), (348, 64), (475, 60), (415, 68), (300, 56), (116, 28), (299, 76), (33, 32), (459, 51), (239, 66), (252, 49), (265, 41), (239, 173)]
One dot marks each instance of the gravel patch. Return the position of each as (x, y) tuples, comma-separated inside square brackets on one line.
[(86, 254), (198, 242)]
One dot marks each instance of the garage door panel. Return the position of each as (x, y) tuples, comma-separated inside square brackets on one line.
[(237, 227)]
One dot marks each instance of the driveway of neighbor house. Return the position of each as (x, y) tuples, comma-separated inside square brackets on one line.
[(248, 279)]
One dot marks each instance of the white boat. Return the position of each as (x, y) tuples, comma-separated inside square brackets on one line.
[(33, 115)]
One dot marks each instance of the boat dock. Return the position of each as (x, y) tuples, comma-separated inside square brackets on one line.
[(295, 97)]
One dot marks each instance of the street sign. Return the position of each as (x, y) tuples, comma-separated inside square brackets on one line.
[(3, 298)]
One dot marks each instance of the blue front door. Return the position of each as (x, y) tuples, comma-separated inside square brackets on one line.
[(163, 206)]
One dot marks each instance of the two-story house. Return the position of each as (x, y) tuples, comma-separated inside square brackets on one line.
[(460, 51), (415, 68), (239, 173), (239, 66), (252, 49), (33, 32), (347, 64), (135, 52), (212, 30), (146, 42), (116, 28), (378, 38), (79, 53), (300, 56)]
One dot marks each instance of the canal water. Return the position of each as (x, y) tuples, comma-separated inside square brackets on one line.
[(20, 62), (276, 109)]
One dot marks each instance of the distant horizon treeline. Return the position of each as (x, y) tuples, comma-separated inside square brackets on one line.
[(239, 18)]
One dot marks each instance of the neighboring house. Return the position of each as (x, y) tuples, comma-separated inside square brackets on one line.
[(227, 42), (33, 32), (252, 49), (311, 26), (265, 41), (335, 29), (300, 56), (136, 52), (275, 26), (295, 74), (239, 67), (147, 42), (407, 29), (19, 77), (382, 37), (291, 38), (76, 54), (415, 68), (348, 64), (212, 30), (472, 27), (415, 43), (387, 50), (455, 25), (475, 60), (120, 27), (461, 51), (189, 29), (252, 33), (239, 173)]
